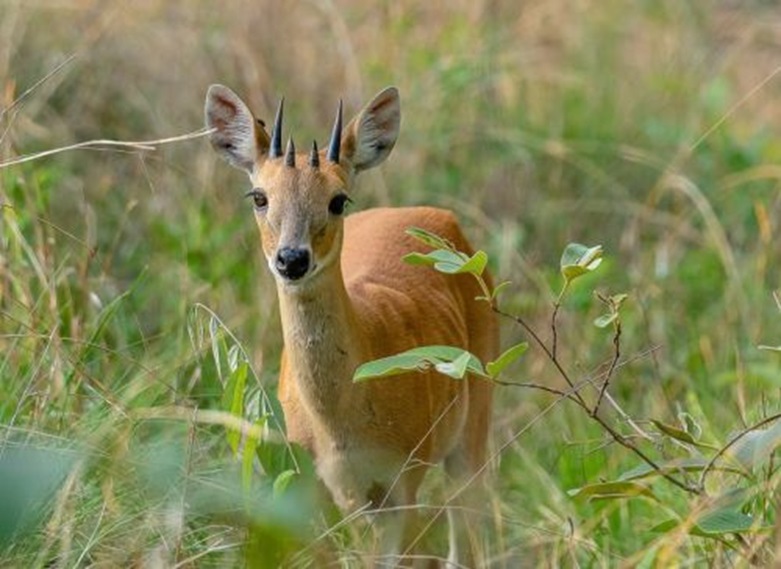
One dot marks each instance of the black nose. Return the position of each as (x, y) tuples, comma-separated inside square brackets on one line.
[(292, 263)]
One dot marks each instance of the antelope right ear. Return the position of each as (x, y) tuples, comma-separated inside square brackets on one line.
[(371, 135), (237, 136)]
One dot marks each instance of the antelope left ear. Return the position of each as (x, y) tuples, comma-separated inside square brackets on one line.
[(371, 135), (237, 136)]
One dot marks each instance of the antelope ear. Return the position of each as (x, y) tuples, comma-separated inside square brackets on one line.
[(237, 136), (371, 135)]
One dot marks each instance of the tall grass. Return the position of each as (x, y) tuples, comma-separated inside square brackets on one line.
[(649, 127)]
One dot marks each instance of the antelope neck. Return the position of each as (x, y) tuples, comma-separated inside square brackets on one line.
[(321, 343)]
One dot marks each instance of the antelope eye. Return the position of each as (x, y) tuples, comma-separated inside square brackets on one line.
[(258, 197), (338, 203)]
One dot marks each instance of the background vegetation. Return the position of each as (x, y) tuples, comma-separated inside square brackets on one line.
[(132, 289)]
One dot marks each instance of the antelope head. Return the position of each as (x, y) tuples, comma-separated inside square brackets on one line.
[(300, 198)]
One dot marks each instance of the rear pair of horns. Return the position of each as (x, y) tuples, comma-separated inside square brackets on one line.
[(275, 150)]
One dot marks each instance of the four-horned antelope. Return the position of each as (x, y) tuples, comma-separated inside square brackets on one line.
[(346, 298)]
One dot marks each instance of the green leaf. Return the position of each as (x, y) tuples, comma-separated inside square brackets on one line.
[(679, 434), (769, 348), (419, 359), (233, 401), (672, 466), (435, 258), (475, 264), (248, 457), (449, 262), (419, 259), (726, 521), (431, 239), (578, 260), (755, 447), (715, 524), (612, 491), (282, 481), (510, 355), (455, 369), (674, 432)]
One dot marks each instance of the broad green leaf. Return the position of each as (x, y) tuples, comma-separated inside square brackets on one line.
[(419, 259), (726, 521), (715, 524), (450, 262), (455, 369), (755, 447), (456, 263), (510, 355), (435, 258), (475, 264), (577, 260), (670, 524), (605, 320), (392, 365), (417, 359), (672, 466), (612, 491), (429, 238)]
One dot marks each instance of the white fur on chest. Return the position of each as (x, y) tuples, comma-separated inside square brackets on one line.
[(357, 475)]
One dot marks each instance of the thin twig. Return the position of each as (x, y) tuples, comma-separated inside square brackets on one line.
[(618, 437), (726, 447), (27, 92), (529, 330), (628, 444), (753, 91), (554, 328), (140, 146), (612, 368), (538, 386)]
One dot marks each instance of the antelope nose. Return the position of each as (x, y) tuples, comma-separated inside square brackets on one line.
[(292, 263)]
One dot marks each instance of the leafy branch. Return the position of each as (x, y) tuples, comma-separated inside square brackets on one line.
[(711, 517)]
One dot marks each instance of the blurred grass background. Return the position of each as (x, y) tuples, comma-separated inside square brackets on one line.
[(650, 127)]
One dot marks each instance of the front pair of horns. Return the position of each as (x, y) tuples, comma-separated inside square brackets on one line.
[(275, 150)]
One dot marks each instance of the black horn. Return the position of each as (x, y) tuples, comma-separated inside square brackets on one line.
[(290, 153), (275, 150), (314, 157), (336, 137)]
